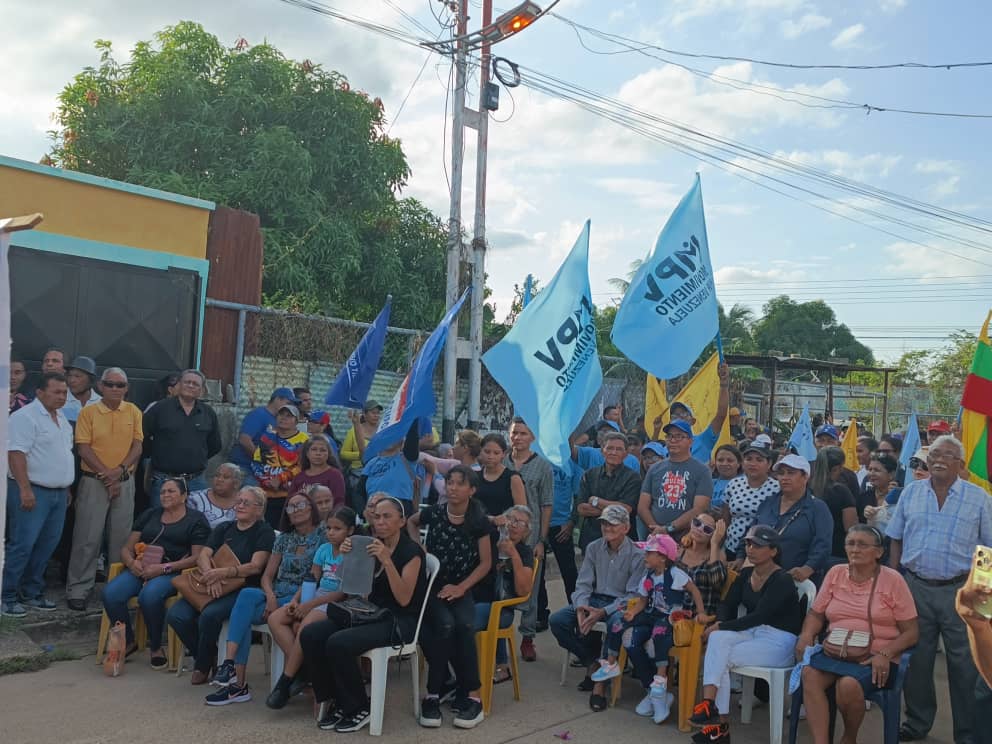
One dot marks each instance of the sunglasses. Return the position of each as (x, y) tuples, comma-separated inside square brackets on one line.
[(118, 385), (701, 525), (298, 507), (916, 463)]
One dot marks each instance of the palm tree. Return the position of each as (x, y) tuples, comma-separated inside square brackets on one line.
[(622, 285)]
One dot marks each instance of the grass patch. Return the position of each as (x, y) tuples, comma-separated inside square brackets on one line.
[(24, 664)]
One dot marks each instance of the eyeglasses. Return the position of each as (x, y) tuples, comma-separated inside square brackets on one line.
[(938, 455), (110, 384), (673, 437), (860, 545), (192, 383), (518, 523), (701, 525), (246, 502), (297, 507)]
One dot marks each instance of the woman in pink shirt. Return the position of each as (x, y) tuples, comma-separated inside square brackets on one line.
[(843, 604)]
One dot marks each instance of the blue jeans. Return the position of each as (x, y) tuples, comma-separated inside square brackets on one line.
[(505, 621), (199, 631), (198, 483), (247, 611), (34, 535), (565, 629), (151, 599), (648, 627)]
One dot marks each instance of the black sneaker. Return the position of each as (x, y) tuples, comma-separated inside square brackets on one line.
[(704, 714), (278, 698), (430, 713), (229, 694), (586, 684), (716, 733), (353, 723), (298, 686), (330, 719), (470, 716), (225, 674)]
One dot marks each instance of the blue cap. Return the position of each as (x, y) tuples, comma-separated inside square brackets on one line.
[(684, 426), (285, 393), (657, 447), (319, 417), (605, 422), (685, 406), (828, 430)]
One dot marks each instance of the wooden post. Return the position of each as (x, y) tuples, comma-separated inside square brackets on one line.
[(771, 398)]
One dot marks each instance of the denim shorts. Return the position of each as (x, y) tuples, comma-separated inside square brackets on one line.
[(860, 672)]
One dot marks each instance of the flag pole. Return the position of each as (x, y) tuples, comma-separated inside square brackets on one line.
[(719, 347)]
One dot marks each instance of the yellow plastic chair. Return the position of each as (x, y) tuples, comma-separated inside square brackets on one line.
[(486, 641), (140, 632)]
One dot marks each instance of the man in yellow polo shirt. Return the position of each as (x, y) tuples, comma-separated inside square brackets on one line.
[(108, 438)]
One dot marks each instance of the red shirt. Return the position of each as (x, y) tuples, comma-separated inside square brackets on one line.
[(331, 478)]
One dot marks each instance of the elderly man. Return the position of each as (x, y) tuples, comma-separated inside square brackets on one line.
[(704, 441), (609, 484), (935, 527), (255, 423), (610, 574), (80, 376), (108, 437), (181, 435), (592, 457), (539, 482), (39, 452), (677, 489)]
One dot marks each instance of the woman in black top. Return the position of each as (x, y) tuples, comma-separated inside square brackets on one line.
[(181, 533), (250, 538), (460, 535), (826, 484), (499, 486), (765, 635), (331, 649)]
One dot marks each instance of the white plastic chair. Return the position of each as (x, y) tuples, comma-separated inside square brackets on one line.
[(380, 660), (776, 677), (275, 659)]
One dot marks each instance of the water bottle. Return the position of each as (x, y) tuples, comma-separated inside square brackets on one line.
[(504, 534), (308, 589)]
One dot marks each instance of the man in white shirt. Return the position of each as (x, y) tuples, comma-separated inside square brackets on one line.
[(39, 452)]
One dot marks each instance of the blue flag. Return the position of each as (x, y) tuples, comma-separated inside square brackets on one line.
[(802, 436), (548, 363), (669, 313), (354, 381), (415, 398), (911, 442)]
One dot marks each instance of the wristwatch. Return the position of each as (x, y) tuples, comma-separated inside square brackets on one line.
[(670, 528), (594, 502), (167, 568)]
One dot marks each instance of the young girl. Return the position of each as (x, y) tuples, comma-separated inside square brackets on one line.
[(320, 467), (648, 618), (287, 622)]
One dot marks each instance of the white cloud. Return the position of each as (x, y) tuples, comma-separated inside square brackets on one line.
[(848, 37), (945, 187), (937, 166), (745, 275), (891, 6), (842, 163), (646, 193), (793, 29), (928, 261), (686, 10)]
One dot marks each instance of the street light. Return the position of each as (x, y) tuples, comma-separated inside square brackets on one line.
[(511, 22)]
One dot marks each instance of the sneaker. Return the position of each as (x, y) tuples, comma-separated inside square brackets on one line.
[(298, 686), (329, 718), (645, 707), (229, 694), (527, 650), (659, 686), (13, 609), (278, 698), (470, 716), (704, 714), (661, 707), (586, 684), (715, 733), (41, 603), (607, 670), (225, 674), (430, 712), (353, 723)]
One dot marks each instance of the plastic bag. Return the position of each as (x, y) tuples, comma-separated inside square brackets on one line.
[(113, 662)]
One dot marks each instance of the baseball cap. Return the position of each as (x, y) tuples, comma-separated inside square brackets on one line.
[(688, 410), (762, 534), (684, 426), (760, 447), (942, 426), (285, 393), (828, 430), (763, 439), (87, 365), (319, 417), (371, 405), (615, 514), (663, 544), (793, 461), (605, 422), (657, 447), (735, 411), (291, 408)]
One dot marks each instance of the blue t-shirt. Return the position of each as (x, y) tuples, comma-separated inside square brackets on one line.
[(703, 444), (566, 485), (719, 486), (592, 457), (330, 569), (254, 425), (390, 474)]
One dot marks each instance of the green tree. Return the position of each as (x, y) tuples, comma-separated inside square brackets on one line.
[(809, 329), (248, 128)]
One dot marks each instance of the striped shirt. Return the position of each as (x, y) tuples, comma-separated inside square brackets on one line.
[(938, 543)]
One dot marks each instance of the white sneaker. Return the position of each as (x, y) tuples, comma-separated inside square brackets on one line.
[(645, 707), (662, 707)]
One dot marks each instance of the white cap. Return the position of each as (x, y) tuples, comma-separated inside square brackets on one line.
[(763, 439), (797, 462)]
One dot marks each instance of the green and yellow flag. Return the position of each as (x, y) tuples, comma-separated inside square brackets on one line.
[(976, 413)]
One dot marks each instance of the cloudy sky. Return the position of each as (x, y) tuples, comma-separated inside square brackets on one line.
[(899, 285)]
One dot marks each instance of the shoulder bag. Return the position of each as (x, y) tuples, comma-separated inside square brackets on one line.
[(194, 589), (852, 645)]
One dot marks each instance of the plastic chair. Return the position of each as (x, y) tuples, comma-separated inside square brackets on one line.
[(777, 679), (274, 657), (599, 627), (380, 660), (888, 700), (140, 631), (487, 640)]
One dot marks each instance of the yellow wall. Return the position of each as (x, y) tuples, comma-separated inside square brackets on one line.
[(105, 214)]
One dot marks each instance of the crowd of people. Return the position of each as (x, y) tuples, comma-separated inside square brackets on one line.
[(648, 531)]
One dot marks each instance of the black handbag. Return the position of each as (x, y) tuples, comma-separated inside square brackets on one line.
[(355, 611)]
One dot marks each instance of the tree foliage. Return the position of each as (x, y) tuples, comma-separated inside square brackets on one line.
[(942, 370), (809, 329), (248, 128)]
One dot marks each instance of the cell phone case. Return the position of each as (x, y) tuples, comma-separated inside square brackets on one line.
[(981, 575), (357, 567)]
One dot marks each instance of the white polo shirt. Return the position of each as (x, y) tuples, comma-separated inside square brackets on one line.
[(47, 445)]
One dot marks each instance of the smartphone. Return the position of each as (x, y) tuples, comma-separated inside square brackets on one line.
[(981, 575)]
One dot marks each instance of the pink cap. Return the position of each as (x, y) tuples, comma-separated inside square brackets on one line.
[(663, 544)]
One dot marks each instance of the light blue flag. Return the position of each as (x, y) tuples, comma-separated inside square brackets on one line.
[(802, 436), (911, 442), (670, 312), (414, 400), (354, 381), (548, 363)]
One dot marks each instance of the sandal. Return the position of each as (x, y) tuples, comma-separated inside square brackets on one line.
[(502, 675), (159, 662), (597, 703)]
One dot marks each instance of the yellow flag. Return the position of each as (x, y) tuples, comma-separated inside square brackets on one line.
[(850, 446), (702, 395), (655, 401)]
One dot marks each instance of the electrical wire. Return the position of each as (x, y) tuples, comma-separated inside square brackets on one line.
[(412, 19), (396, 34)]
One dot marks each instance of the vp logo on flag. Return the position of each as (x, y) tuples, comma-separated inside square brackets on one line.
[(578, 329)]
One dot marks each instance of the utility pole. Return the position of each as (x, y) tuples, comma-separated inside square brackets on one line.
[(455, 225), (481, 122)]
